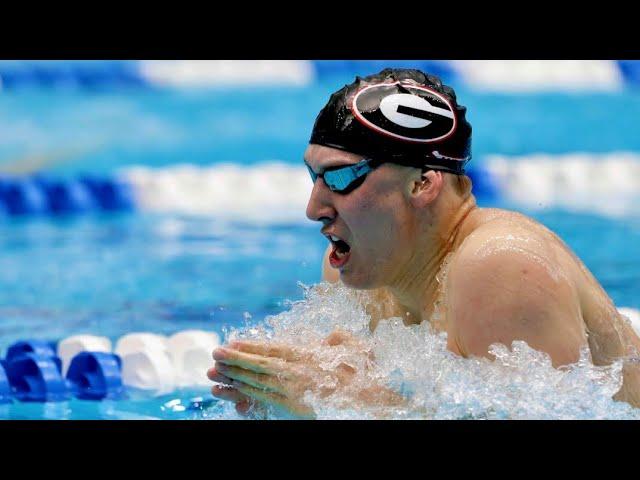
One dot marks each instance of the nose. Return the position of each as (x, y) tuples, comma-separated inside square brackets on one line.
[(320, 206)]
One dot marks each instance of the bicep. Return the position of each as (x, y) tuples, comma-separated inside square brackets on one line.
[(509, 295)]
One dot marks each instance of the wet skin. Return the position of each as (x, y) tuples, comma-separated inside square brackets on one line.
[(428, 253)]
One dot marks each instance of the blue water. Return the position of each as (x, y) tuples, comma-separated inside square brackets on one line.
[(99, 132), (113, 274)]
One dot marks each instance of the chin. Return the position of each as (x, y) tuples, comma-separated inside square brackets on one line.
[(358, 281)]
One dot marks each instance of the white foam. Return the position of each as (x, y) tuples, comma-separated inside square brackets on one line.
[(520, 383), (208, 73), (269, 192), (633, 315), (537, 75), (608, 184)]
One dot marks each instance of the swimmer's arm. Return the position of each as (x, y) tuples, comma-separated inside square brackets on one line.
[(630, 390), (508, 293)]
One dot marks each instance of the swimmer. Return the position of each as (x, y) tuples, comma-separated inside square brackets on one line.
[(387, 156)]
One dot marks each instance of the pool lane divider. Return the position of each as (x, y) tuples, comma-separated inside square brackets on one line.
[(84, 367), (44, 195), (133, 75), (96, 376)]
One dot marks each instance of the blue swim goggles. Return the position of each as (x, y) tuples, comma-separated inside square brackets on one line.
[(345, 178)]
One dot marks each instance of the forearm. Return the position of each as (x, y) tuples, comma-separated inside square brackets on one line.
[(630, 343), (630, 390)]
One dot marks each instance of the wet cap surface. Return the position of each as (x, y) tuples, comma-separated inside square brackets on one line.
[(398, 115)]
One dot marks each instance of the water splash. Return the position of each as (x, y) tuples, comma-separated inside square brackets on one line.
[(413, 361)]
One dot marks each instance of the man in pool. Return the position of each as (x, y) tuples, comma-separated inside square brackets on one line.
[(387, 157)]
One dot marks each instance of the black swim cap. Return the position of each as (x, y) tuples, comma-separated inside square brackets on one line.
[(400, 116)]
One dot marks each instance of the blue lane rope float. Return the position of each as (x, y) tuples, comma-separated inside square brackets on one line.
[(72, 74), (43, 195), (116, 74), (39, 195), (33, 373), (96, 376), (67, 196), (38, 348), (5, 386), (630, 70), (22, 197), (37, 378), (110, 194)]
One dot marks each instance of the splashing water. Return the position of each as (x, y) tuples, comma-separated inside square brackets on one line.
[(413, 361)]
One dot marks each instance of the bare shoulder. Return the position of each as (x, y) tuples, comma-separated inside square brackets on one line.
[(507, 240), (502, 250), (505, 283)]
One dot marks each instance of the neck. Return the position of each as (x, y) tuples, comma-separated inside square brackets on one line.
[(416, 287)]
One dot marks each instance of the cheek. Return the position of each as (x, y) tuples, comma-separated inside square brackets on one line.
[(378, 222)]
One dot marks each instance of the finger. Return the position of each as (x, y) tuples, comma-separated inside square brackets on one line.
[(212, 374), (249, 361), (251, 408), (244, 407), (258, 380), (225, 392), (278, 350), (215, 375), (270, 398), (338, 337), (346, 338)]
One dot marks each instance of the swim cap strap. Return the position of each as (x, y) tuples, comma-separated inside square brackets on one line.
[(441, 164)]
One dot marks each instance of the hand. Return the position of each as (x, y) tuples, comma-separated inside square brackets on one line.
[(245, 406), (252, 375), (257, 374)]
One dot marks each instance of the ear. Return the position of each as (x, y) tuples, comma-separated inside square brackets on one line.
[(426, 189)]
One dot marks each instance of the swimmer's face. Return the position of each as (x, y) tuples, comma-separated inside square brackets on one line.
[(376, 220)]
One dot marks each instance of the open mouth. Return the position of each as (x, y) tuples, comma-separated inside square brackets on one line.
[(340, 253)]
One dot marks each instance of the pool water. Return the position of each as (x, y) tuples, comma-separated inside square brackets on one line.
[(111, 274)]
